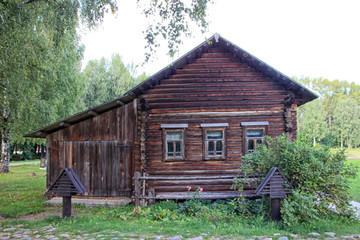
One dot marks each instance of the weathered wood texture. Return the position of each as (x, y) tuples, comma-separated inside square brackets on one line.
[(67, 184), (99, 150), (215, 88), (172, 187)]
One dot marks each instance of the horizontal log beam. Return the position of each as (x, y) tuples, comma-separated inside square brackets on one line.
[(93, 113), (64, 124), (198, 177), (119, 102), (41, 134), (218, 114)]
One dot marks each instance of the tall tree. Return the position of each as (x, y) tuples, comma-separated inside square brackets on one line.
[(39, 61), (341, 101), (346, 122), (312, 123), (171, 20), (107, 79), (39, 56)]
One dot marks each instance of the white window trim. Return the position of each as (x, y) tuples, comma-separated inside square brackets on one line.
[(174, 126), (182, 150), (214, 127), (253, 125), (264, 123)]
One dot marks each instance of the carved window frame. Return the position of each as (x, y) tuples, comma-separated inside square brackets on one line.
[(253, 126), (173, 128)]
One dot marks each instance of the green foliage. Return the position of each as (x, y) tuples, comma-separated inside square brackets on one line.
[(299, 207), (312, 122), (314, 171), (105, 80), (334, 118), (170, 20), (22, 194)]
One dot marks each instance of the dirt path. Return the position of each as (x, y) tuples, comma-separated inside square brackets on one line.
[(24, 163)]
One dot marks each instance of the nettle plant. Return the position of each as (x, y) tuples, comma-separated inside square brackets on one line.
[(319, 177)]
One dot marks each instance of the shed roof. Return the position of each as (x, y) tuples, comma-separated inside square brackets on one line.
[(215, 41)]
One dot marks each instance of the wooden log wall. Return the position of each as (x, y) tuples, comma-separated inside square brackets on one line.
[(99, 150), (215, 88)]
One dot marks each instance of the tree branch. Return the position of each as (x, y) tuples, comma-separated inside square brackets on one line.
[(32, 1)]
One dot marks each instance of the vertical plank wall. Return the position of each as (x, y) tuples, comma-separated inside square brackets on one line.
[(99, 150)]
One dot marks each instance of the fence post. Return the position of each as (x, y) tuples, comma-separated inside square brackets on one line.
[(66, 206), (275, 209), (137, 186), (151, 196)]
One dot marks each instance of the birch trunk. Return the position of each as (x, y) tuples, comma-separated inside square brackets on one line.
[(5, 151), (314, 141)]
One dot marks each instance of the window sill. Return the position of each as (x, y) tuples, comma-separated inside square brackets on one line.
[(179, 159), (222, 158)]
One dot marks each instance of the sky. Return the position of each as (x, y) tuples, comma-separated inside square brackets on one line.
[(307, 38)]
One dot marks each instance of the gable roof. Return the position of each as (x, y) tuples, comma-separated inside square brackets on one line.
[(275, 184), (215, 41), (67, 184)]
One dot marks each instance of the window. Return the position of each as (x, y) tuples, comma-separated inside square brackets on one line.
[(173, 141), (214, 141), (253, 133), (254, 137)]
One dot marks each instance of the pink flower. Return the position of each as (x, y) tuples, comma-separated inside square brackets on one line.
[(295, 150), (201, 189), (188, 188)]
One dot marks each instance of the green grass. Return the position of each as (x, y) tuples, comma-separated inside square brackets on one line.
[(353, 153), (22, 193), (26, 161), (355, 183)]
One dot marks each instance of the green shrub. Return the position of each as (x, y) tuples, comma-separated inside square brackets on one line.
[(316, 172), (298, 208)]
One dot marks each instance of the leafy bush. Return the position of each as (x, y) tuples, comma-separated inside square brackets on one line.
[(315, 172), (299, 207)]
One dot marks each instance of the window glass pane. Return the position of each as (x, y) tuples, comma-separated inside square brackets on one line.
[(170, 147), (173, 136), (251, 145), (177, 148), (252, 133), (211, 148), (219, 148), (214, 135), (258, 142)]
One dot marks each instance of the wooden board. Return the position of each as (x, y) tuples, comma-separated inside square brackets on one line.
[(99, 150), (203, 92)]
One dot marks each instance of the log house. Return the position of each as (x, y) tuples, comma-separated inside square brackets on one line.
[(196, 117)]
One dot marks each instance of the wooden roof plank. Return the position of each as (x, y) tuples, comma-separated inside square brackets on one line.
[(272, 185), (67, 184)]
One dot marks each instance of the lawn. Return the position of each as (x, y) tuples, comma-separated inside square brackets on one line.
[(355, 183), (22, 191), (353, 153), (22, 194)]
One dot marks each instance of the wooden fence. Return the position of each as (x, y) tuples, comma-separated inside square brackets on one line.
[(144, 193)]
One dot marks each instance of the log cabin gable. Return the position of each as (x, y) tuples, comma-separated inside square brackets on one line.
[(141, 91), (198, 115)]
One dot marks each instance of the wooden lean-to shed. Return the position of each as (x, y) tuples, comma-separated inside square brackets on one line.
[(196, 117)]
